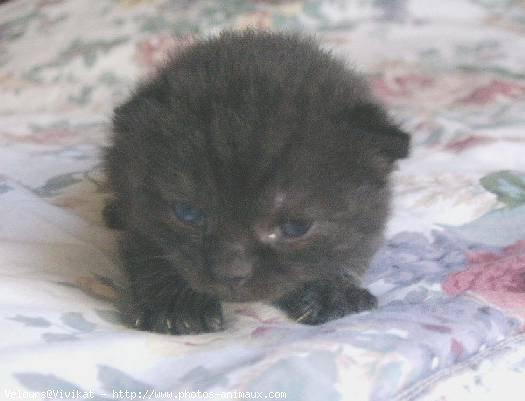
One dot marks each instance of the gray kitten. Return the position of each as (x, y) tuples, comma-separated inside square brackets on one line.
[(253, 167)]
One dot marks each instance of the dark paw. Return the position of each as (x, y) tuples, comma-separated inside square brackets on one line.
[(191, 313), (319, 302), (113, 215)]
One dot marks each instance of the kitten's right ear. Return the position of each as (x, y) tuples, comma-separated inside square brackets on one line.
[(373, 125)]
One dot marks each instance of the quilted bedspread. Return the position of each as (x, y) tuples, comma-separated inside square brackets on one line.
[(450, 278)]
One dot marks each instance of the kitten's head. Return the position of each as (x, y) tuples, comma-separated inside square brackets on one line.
[(258, 163)]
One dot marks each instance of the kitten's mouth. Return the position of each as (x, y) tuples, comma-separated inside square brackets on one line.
[(242, 289), (247, 291), (236, 283), (239, 290)]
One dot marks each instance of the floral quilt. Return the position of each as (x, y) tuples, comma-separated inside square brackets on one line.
[(450, 278)]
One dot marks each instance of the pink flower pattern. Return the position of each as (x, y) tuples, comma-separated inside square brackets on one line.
[(498, 278), (492, 91)]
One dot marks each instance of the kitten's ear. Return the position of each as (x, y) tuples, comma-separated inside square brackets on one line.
[(373, 125)]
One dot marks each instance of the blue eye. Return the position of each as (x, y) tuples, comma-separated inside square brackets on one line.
[(294, 228), (188, 214)]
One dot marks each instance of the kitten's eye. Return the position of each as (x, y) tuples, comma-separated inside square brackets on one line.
[(294, 228), (189, 215)]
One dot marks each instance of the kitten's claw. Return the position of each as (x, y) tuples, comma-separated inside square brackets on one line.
[(214, 324), (304, 316), (319, 302), (212, 318), (192, 314)]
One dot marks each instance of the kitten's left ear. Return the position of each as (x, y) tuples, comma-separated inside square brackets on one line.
[(373, 125)]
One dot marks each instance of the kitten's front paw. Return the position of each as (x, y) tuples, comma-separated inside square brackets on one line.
[(192, 313), (319, 302)]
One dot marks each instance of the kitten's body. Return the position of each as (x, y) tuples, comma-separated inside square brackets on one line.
[(253, 167)]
